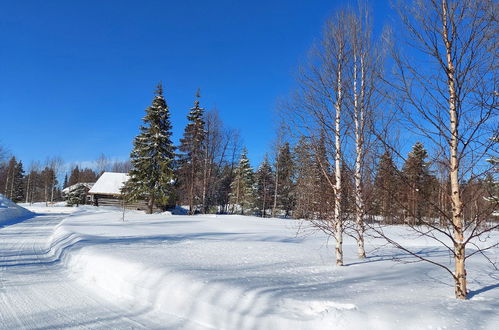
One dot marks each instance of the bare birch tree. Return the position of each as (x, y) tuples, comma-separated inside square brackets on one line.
[(447, 95), (365, 64), (317, 113)]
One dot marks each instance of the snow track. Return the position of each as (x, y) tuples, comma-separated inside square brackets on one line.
[(36, 292)]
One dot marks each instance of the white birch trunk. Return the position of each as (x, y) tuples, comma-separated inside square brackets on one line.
[(358, 119), (457, 209), (27, 187), (338, 221)]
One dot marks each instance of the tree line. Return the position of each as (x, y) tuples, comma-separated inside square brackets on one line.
[(42, 182)]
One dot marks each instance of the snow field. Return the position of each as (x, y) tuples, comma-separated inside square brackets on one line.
[(233, 272)]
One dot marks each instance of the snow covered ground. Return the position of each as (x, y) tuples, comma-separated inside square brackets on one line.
[(223, 272)]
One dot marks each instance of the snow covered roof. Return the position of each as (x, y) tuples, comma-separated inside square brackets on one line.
[(109, 183), (69, 189)]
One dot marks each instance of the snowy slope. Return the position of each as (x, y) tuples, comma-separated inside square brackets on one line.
[(233, 272), (10, 212)]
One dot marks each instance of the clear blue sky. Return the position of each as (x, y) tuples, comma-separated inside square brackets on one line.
[(76, 76)]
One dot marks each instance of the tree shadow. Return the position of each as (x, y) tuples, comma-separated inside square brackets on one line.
[(473, 293)]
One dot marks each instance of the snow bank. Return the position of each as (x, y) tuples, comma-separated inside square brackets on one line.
[(11, 213)]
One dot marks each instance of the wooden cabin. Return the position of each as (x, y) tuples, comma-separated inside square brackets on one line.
[(107, 192)]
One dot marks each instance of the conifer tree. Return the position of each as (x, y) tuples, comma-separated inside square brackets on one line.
[(242, 193), (65, 184), (152, 157), (77, 195), (18, 183), (417, 177), (284, 194), (313, 196), (74, 177), (386, 185), (191, 159), (264, 186)]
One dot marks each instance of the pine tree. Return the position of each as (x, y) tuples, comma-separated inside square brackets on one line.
[(152, 158), (284, 180), (74, 177), (386, 185), (77, 195), (65, 184), (191, 160), (264, 186), (417, 177), (242, 193), (18, 183)]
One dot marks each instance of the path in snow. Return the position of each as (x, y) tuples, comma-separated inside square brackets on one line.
[(35, 291)]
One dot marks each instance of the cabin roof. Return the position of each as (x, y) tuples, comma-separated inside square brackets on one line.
[(109, 183)]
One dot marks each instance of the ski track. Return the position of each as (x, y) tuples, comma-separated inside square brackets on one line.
[(36, 292)]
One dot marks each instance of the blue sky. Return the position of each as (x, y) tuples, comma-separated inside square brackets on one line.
[(76, 76)]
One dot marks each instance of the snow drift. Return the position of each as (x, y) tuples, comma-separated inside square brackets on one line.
[(11, 213)]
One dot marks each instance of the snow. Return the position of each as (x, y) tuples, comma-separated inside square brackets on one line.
[(69, 189), (109, 183), (10, 212), (233, 272)]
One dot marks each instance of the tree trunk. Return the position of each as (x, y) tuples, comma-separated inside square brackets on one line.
[(150, 205), (28, 187), (457, 209), (338, 221), (191, 192), (274, 208), (359, 118)]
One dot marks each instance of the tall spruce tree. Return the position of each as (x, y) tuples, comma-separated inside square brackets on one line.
[(74, 177), (152, 158), (18, 183), (418, 180), (313, 195), (242, 191), (191, 159), (264, 187), (386, 185), (284, 180)]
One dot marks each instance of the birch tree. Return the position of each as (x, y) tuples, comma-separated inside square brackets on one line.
[(446, 93), (317, 111)]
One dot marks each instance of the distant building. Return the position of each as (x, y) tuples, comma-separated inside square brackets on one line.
[(107, 190)]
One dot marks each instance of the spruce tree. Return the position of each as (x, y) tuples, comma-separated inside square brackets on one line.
[(74, 177), (191, 159), (152, 158), (18, 183), (77, 195), (386, 185), (418, 180), (264, 186), (284, 182), (242, 192)]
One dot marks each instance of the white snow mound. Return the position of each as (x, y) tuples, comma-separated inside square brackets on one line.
[(10, 212)]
